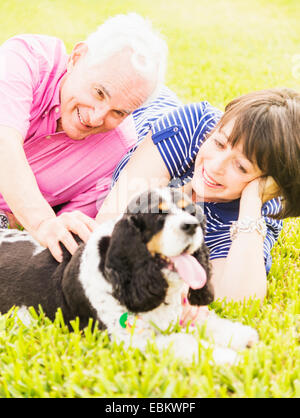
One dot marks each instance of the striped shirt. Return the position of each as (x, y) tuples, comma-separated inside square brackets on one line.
[(178, 136)]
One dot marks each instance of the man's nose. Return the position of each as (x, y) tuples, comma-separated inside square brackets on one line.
[(97, 117)]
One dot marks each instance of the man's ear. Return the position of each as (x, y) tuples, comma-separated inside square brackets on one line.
[(79, 50)]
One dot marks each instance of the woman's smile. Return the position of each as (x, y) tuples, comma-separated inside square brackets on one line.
[(209, 181)]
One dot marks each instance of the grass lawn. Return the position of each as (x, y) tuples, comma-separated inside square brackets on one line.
[(218, 50)]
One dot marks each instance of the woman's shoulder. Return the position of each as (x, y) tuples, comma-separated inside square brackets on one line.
[(189, 120), (178, 131)]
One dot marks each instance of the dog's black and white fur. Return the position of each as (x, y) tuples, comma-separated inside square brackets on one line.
[(124, 267)]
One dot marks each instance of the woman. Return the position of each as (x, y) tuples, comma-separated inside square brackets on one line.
[(64, 123), (232, 164)]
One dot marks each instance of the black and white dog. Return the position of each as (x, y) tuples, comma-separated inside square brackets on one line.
[(129, 276)]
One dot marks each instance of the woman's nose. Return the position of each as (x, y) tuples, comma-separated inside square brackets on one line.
[(218, 166)]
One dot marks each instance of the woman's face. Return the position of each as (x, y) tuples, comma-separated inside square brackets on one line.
[(96, 98), (222, 171)]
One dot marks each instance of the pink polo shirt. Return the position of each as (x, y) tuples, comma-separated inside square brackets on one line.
[(74, 173)]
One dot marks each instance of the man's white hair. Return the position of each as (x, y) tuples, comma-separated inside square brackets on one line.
[(132, 32)]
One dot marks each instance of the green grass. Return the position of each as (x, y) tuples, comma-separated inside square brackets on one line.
[(218, 50)]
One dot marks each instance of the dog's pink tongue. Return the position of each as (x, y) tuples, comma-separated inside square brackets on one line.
[(190, 270)]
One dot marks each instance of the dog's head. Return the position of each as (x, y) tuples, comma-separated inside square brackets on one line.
[(162, 231)]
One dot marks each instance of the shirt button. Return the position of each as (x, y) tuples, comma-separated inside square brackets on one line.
[(175, 129), (48, 137), (57, 109)]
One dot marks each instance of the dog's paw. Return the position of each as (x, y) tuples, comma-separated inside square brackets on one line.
[(24, 316), (222, 355), (185, 346), (247, 338), (230, 334)]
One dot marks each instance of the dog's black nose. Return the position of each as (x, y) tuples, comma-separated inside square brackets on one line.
[(189, 227)]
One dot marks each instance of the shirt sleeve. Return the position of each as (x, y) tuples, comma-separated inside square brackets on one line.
[(274, 227), (144, 117), (177, 131), (179, 135), (18, 75)]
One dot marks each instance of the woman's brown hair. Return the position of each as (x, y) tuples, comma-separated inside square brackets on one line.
[(268, 123)]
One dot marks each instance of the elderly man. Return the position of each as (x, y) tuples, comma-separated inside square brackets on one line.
[(64, 123)]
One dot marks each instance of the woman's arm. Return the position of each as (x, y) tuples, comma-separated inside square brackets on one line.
[(242, 275), (145, 170), (20, 191)]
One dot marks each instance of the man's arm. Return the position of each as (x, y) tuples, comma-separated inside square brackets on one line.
[(21, 192)]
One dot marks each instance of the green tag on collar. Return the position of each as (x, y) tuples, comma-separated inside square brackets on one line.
[(123, 319)]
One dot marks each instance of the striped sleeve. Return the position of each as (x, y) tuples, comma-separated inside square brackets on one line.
[(179, 135), (274, 227), (143, 117)]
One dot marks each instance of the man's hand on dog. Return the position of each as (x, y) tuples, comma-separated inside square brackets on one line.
[(59, 229)]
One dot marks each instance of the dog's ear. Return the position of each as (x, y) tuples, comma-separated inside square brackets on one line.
[(103, 245), (134, 274), (199, 214), (66, 253), (205, 295)]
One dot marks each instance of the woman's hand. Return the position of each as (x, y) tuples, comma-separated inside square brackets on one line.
[(263, 188), (58, 229)]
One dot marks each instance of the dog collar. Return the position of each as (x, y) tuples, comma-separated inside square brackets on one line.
[(129, 320)]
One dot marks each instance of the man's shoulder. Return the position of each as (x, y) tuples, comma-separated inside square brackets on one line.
[(43, 47)]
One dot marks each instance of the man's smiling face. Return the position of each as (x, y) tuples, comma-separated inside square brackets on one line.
[(97, 97)]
